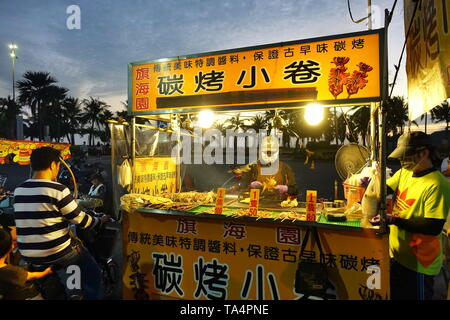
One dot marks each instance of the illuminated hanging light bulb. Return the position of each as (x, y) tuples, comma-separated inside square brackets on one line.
[(314, 114), (205, 119)]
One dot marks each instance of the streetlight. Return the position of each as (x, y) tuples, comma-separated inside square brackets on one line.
[(13, 55)]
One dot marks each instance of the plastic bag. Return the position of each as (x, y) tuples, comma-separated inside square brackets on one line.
[(124, 176), (354, 212), (371, 199)]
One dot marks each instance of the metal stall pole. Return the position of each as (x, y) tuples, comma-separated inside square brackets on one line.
[(114, 168), (373, 136), (133, 153), (382, 128)]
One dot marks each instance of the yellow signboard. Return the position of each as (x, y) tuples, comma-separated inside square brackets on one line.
[(20, 150), (254, 202), (155, 175), (428, 54), (220, 200), (311, 199), (335, 69), (190, 257)]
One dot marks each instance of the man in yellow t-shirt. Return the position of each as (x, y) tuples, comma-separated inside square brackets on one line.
[(421, 206)]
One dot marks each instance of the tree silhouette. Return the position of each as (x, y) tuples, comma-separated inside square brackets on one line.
[(9, 110), (92, 116), (33, 91), (441, 113), (360, 121)]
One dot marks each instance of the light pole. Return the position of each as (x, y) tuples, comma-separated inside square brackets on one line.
[(13, 55)]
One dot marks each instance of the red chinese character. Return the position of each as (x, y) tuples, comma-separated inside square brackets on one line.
[(253, 212), (253, 203), (288, 235), (219, 202), (310, 206), (218, 210), (142, 103), (187, 226), (236, 231), (142, 88), (310, 217), (142, 73)]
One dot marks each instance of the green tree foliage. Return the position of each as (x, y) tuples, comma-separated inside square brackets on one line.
[(441, 113), (9, 110), (93, 116)]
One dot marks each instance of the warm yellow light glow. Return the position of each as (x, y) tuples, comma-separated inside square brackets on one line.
[(314, 114), (13, 55), (205, 118), (12, 46)]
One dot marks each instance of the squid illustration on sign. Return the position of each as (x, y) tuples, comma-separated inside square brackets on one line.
[(137, 278), (338, 78)]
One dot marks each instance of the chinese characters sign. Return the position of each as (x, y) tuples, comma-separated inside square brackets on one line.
[(220, 200), (189, 257), (254, 202), (428, 55), (333, 69), (20, 150), (311, 198), (155, 175)]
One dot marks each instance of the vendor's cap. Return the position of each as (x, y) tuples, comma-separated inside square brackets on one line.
[(410, 143)]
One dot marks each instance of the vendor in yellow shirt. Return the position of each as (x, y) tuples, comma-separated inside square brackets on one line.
[(421, 204)]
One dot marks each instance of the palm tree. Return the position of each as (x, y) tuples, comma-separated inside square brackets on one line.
[(341, 128), (397, 109), (53, 113), (72, 112), (441, 113), (105, 135), (361, 119), (236, 123), (220, 126), (32, 92), (91, 115), (9, 111), (258, 123)]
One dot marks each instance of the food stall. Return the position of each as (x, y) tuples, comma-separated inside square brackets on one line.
[(238, 241)]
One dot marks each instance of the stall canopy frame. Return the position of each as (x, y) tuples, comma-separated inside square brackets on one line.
[(378, 139)]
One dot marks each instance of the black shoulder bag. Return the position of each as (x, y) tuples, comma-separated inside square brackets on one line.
[(311, 278)]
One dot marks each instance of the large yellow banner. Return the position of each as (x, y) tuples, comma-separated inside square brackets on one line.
[(20, 150), (155, 175), (428, 55), (335, 69), (187, 257)]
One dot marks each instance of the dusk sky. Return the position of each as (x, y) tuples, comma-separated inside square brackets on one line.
[(93, 61)]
